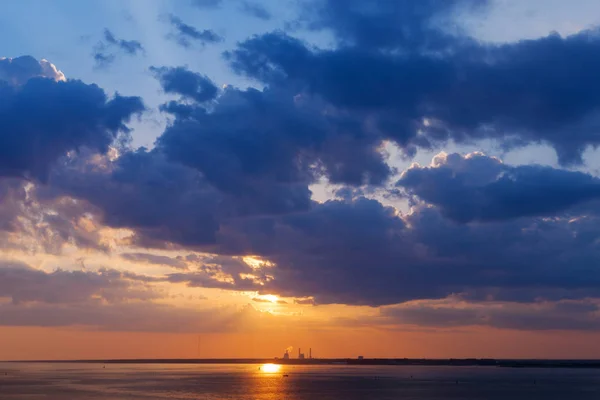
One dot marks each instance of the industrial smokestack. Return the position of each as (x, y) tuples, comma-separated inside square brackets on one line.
[(310, 352), (298, 352)]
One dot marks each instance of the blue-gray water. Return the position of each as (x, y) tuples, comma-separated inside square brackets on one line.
[(247, 382)]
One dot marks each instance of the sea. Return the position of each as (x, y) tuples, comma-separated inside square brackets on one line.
[(77, 381)]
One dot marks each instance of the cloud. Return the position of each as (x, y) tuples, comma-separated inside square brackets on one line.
[(253, 9), (187, 84), (384, 25), (362, 253), (33, 223), (207, 3), (131, 47), (256, 10), (560, 315), (23, 284), (421, 90), (222, 272), (13, 195), (165, 203), (105, 52), (231, 174), (259, 300), (304, 301), (257, 142), (136, 317), (353, 251), (478, 187), (141, 190), (103, 60), (42, 119), (17, 71), (147, 258), (185, 35)]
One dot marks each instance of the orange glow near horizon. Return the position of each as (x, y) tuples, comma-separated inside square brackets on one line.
[(22, 343)]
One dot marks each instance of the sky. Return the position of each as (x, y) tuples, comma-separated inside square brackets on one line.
[(234, 178)]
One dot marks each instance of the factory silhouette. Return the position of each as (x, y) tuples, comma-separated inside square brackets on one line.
[(286, 355)]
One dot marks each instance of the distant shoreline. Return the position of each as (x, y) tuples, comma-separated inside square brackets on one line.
[(345, 361)]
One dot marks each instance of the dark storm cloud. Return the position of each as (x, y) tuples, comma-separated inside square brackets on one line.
[(105, 52), (161, 201), (349, 253), (362, 253), (23, 284), (187, 84), (542, 90), (165, 203), (256, 10), (185, 35), (42, 119), (477, 187), (270, 144), (353, 251)]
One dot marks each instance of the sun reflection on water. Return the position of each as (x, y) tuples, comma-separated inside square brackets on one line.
[(270, 368)]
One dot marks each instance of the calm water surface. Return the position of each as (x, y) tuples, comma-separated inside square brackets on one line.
[(247, 382)]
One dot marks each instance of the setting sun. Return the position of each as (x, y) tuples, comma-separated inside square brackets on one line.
[(270, 368), (269, 297)]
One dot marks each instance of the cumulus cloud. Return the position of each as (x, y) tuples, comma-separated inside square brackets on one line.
[(185, 35), (271, 143), (425, 87), (17, 71), (42, 119), (231, 174), (161, 201), (478, 187), (350, 251)]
